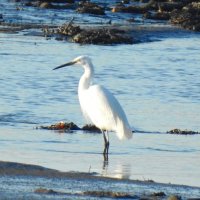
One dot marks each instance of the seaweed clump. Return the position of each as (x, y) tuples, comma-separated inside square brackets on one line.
[(182, 132), (64, 126), (96, 35), (70, 126), (102, 36)]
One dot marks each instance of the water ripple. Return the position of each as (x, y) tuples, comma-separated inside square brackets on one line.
[(173, 150)]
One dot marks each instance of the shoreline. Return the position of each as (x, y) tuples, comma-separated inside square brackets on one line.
[(36, 182)]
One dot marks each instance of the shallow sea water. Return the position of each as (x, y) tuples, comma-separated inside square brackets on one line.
[(157, 84)]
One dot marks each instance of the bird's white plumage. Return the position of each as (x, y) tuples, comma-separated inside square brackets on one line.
[(103, 110), (98, 104)]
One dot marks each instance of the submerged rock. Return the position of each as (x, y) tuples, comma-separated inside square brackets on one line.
[(182, 132), (61, 126), (92, 128), (91, 8), (101, 36), (158, 194), (45, 191), (157, 15), (109, 194), (154, 196), (48, 4), (142, 8), (130, 9), (70, 126), (169, 6)]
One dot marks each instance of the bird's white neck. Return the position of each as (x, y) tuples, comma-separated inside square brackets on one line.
[(86, 78)]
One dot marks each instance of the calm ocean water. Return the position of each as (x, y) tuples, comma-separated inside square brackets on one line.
[(157, 84)]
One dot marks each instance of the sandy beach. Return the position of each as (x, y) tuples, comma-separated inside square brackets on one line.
[(22, 181)]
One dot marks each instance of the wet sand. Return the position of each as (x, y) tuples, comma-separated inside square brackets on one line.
[(23, 181)]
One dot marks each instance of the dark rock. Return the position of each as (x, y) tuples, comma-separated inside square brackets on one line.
[(45, 191), (159, 194), (33, 3), (49, 192), (92, 128), (157, 15), (182, 132), (154, 196), (129, 9), (91, 8), (133, 8), (188, 17), (62, 32), (47, 4), (61, 126), (101, 36), (170, 6), (109, 194), (66, 126)]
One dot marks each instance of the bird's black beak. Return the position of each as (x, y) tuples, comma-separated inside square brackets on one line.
[(65, 65)]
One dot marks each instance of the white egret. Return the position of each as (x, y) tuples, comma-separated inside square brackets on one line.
[(99, 105)]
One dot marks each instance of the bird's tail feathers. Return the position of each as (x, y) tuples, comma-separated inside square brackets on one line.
[(124, 132)]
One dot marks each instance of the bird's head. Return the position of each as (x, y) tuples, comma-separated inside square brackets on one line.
[(81, 60)]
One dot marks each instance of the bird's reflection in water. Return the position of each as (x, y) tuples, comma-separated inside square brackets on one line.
[(118, 170), (105, 166)]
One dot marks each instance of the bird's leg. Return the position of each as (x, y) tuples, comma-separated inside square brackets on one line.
[(106, 145), (107, 141)]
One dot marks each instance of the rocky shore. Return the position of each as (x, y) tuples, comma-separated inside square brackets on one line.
[(185, 14)]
